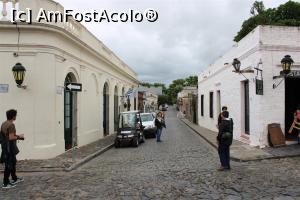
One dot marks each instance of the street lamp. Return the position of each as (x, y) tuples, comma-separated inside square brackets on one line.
[(19, 74), (286, 64), (236, 64), (237, 68)]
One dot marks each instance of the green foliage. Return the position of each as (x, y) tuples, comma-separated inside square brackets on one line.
[(148, 85), (177, 85), (257, 8), (170, 94), (287, 14), (162, 99)]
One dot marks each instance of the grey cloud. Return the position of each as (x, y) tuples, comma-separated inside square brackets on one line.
[(189, 35)]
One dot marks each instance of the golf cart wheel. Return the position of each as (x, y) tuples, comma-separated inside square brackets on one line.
[(117, 144)]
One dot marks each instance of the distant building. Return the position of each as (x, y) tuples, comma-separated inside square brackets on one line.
[(187, 103), (256, 99), (148, 98)]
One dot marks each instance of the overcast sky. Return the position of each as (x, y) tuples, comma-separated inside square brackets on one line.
[(188, 36)]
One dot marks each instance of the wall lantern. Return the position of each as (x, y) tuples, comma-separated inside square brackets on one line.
[(286, 64), (19, 74), (237, 68), (236, 64)]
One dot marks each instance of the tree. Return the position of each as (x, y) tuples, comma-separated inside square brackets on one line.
[(287, 14), (148, 85), (191, 81), (258, 7)]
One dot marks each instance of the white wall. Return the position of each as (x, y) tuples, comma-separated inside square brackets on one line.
[(49, 54), (269, 44)]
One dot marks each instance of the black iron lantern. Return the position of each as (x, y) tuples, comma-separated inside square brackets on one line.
[(286, 64), (236, 64), (19, 73)]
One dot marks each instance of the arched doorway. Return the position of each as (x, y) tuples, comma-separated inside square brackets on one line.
[(106, 109), (70, 114), (116, 108)]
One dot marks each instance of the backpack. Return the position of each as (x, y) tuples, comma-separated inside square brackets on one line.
[(2, 138), (2, 143)]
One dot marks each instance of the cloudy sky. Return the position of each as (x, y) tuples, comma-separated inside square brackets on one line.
[(188, 36)]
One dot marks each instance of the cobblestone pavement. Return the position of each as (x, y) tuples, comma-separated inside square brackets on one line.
[(183, 166)]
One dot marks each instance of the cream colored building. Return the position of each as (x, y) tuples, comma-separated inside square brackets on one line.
[(54, 54)]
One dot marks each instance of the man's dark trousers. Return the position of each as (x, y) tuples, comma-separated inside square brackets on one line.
[(10, 168), (224, 155)]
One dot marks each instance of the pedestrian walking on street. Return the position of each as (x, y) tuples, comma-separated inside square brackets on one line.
[(10, 150), (224, 139), (224, 108), (160, 124)]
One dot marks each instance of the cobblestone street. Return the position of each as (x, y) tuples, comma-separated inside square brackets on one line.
[(182, 166)]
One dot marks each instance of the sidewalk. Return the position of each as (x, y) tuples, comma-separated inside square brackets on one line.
[(65, 161), (244, 152)]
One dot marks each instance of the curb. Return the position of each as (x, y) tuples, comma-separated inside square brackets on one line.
[(239, 159), (88, 158), (72, 167)]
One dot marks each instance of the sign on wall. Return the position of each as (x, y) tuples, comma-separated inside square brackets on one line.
[(74, 87), (259, 87), (4, 88)]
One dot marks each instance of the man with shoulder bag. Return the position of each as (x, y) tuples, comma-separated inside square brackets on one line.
[(224, 139), (10, 150)]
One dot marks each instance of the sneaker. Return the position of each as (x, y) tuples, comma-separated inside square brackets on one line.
[(8, 186), (19, 180)]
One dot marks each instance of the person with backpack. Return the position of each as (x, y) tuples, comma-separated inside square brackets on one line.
[(224, 138), (10, 150)]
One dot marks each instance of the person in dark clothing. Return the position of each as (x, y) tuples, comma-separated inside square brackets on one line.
[(10, 150), (224, 108), (224, 139), (160, 124)]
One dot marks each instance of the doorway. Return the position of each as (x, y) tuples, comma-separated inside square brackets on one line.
[(106, 109), (70, 114), (246, 107), (219, 109), (116, 108), (292, 101)]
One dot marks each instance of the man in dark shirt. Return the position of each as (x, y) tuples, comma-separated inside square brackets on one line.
[(224, 108), (10, 149), (224, 139)]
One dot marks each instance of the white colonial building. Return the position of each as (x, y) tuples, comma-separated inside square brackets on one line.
[(252, 100), (52, 118)]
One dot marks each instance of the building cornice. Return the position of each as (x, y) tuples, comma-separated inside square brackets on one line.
[(58, 55), (74, 39)]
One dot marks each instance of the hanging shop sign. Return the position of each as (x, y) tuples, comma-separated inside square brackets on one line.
[(295, 73)]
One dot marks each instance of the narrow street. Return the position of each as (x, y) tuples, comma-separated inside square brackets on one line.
[(182, 166)]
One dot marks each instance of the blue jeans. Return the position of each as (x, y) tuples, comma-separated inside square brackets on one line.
[(224, 155), (158, 134)]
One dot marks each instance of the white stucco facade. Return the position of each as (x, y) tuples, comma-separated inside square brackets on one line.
[(49, 52), (268, 44)]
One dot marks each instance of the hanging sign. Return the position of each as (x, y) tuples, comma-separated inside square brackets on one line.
[(259, 87), (295, 73)]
